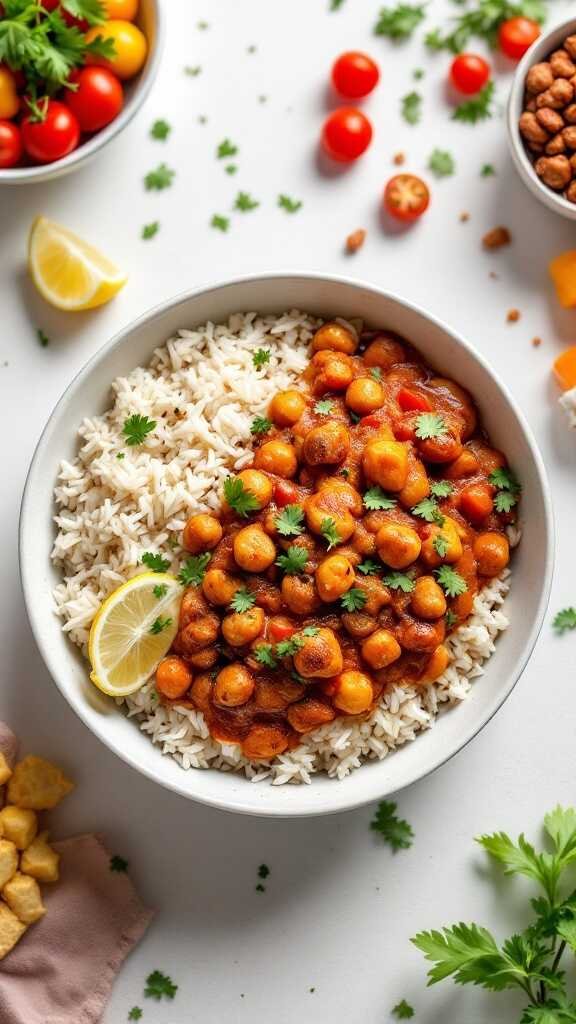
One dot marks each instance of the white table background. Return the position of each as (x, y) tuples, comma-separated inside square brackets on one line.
[(339, 907)]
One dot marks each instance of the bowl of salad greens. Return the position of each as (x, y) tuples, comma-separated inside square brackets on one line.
[(73, 73)]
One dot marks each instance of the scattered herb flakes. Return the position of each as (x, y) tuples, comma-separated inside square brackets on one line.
[(476, 109), (394, 831), (202, 26), (311, 990), (293, 561), (288, 204), (369, 567), (260, 425), (243, 600), (135, 1013), (487, 171), (261, 357), (159, 179), (220, 223), (441, 163), (403, 1011), (353, 600), (160, 624), (149, 230), (155, 562), (508, 489), (452, 583), (42, 338), (136, 429), (160, 130), (418, 74), (158, 985), (412, 107), (441, 488), (564, 620), (399, 22), (505, 501), (192, 72), (194, 569), (451, 619), (375, 499), (289, 521), (329, 532), (263, 871), (118, 864), (264, 654), (231, 169), (335, 5), (428, 510), (238, 498), (260, 887), (440, 545), (120, 455), (244, 202), (399, 581), (430, 424), (160, 591), (226, 149), (324, 407)]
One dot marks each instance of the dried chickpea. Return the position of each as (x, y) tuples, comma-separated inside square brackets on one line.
[(234, 686), (364, 395), (398, 545), (277, 457), (254, 551), (531, 129), (550, 120), (241, 628), (561, 91), (569, 136), (570, 46), (219, 586), (380, 649), (555, 171), (384, 352), (492, 553), (427, 598), (354, 693), (326, 445), (334, 577), (173, 677), (561, 65), (569, 114), (336, 337), (386, 463), (539, 77), (258, 484), (571, 192), (555, 146), (201, 533), (287, 407)]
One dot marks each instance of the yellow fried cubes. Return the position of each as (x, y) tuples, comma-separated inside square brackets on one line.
[(22, 894), (11, 930), (5, 770), (19, 825), (8, 861), (40, 861), (37, 784)]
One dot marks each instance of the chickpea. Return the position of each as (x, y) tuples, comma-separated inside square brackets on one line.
[(277, 457), (476, 502), (332, 371), (416, 635), (384, 352), (241, 628), (320, 657), (309, 714), (417, 484), (427, 599), (380, 649), (201, 533), (363, 542), (334, 577), (465, 465), (569, 136), (364, 395), (200, 632), (437, 664), (571, 192), (354, 693), (530, 129), (386, 463), (264, 742), (276, 694), (550, 119), (555, 171), (492, 552), (561, 91), (452, 543), (358, 625), (444, 448), (300, 595), (219, 587), (342, 495), (327, 444), (173, 677), (570, 46), (318, 508), (398, 545), (555, 146), (376, 593), (201, 691), (561, 65), (539, 77), (335, 337), (204, 658), (234, 686), (569, 114), (287, 407), (258, 484), (254, 551)]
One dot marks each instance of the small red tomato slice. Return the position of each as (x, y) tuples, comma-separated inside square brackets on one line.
[(53, 137), (370, 421), (516, 35), (10, 144), (346, 134), (285, 493), (406, 197), (278, 630), (97, 99), (354, 75), (410, 401), (469, 73)]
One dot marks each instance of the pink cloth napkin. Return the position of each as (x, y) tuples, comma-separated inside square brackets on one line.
[(62, 970)]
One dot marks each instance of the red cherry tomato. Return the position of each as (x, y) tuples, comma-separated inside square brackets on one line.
[(370, 421), (409, 401), (285, 493), (10, 144), (278, 631), (354, 75), (469, 73), (516, 35), (346, 134), (54, 137), (406, 197), (97, 100)]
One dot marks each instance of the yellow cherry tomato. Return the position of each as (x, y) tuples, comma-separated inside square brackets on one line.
[(124, 9), (9, 101), (129, 43)]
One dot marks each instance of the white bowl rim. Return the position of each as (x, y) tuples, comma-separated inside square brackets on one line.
[(43, 172), (28, 518), (553, 200)]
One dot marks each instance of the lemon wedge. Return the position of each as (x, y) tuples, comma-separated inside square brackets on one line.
[(69, 273), (133, 630)]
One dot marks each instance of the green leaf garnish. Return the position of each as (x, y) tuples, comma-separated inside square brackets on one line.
[(226, 149), (487, 171), (412, 107), (243, 600), (403, 1011), (159, 179), (399, 22), (194, 569), (564, 620), (260, 425), (476, 109), (220, 223), (239, 498), (118, 864), (452, 583), (160, 590), (160, 624), (135, 1013), (149, 230), (399, 581), (42, 337), (369, 567), (136, 429), (158, 985), (430, 424), (261, 357), (293, 562), (394, 831), (264, 653), (440, 545), (329, 532), (289, 521), (288, 204), (441, 163), (155, 562), (428, 509), (244, 202), (376, 499), (353, 600), (160, 130), (451, 619), (441, 488), (324, 407)]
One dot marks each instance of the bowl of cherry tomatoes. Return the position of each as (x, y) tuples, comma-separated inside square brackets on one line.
[(73, 75)]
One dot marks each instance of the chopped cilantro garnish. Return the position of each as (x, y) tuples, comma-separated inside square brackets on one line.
[(118, 864), (155, 562), (399, 581), (508, 489), (159, 179), (231, 169), (261, 357), (160, 130), (264, 653), (136, 428), (452, 583), (403, 1011), (353, 600), (369, 568), (487, 171), (441, 163), (412, 107), (505, 501), (160, 624), (565, 620), (289, 521), (288, 204), (149, 230), (244, 202), (440, 545), (135, 1013), (428, 509), (451, 619), (430, 424), (192, 71), (260, 425), (225, 149), (376, 499), (239, 498), (263, 871), (220, 223), (399, 22), (293, 562), (194, 569), (394, 831), (441, 488), (324, 407), (476, 109), (160, 590), (243, 600), (329, 532), (158, 985)]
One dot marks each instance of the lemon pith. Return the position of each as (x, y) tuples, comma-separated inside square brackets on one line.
[(68, 272)]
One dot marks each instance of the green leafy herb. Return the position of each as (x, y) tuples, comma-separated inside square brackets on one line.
[(399, 22), (354, 416), (288, 204), (565, 620), (155, 562), (288, 648), (428, 509), (135, 1013), (231, 169), (451, 619), (194, 569), (376, 372), (244, 202), (160, 624), (310, 631), (149, 230), (335, 5), (505, 501), (42, 338), (241, 500), (329, 532), (394, 831), (136, 428), (441, 488), (440, 545), (353, 600), (160, 591), (160, 130), (418, 74), (430, 424), (220, 223), (476, 109), (487, 171), (376, 499), (263, 871), (345, 473), (264, 653), (508, 489), (452, 583), (261, 357), (369, 568), (120, 455), (412, 107), (194, 71), (158, 985), (159, 179), (118, 864), (484, 20), (226, 149), (243, 600), (441, 163), (260, 425), (324, 407), (399, 581), (293, 562), (289, 521), (403, 1011)]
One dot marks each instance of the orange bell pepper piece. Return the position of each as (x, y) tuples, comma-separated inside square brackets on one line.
[(562, 270), (565, 369)]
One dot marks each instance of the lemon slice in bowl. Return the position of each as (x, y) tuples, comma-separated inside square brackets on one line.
[(69, 273), (133, 630)]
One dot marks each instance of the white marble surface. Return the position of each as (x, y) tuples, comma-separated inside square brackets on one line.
[(339, 908)]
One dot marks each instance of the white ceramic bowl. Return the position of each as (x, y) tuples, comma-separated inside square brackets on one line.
[(151, 20), (89, 394), (539, 51)]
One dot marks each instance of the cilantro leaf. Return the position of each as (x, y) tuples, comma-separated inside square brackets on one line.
[(264, 653), (243, 600), (149, 230), (226, 149), (160, 130), (263, 871), (220, 223), (441, 163), (160, 624), (376, 372), (394, 831), (369, 568), (451, 619), (136, 428), (504, 480), (399, 22), (260, 425), (159, 179), (158, 985), (293, 562), (289, 521), (452, 583), (288, 204), (403, 1011), (487, 171), (155, 562), (231, 169), (375, 498), (260, 357), (239, 498), (564, 620), (399, 581), (468, 952), (329, 532), (353, 600), (194, 569), (476, 109), (42, 337), (287, 648), (441, 488), (160, 591), (505, 501), (412, 107), (430, 424), (192, 70), (324, 407), (118, 864), (135, 1013), (440, 545), (483, 20), (428, 509), (244, 202)]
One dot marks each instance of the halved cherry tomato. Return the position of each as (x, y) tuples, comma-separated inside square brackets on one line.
[(98, 98), (126, 10), (10, 144), (285, 493), (516, 35), (406, 197), (9, 99), (130, 47), (53, 137), (410, 401), (279, 630), (354, 75), (370, 421), (469, 73), (346, 134)]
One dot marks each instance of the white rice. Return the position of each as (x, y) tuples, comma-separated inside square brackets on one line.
[(568, 403), (202, 390)]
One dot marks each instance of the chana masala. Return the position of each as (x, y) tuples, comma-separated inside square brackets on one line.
[(372, 513)]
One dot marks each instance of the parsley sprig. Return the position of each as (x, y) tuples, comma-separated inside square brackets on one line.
[(289, 521), (158, 985), (428, 510), (293, 562), (260, 425), (244, 202), (160, 624), (484, 20), (399, 22), (136, 429), (159, 179), (369, 567), (400, 581), (564, 620), (430, 424), (160, 130), (324, 407), (411, 107), (288, 204), (239, 498), (155, 562), (452, 583), (329, 532), (508, 489), (353, 600), (479, 108), (441, 163), (261, 357), (194, 569), (375, 499), (403, 1011), (243, 600), (441, 488), (394, 831)]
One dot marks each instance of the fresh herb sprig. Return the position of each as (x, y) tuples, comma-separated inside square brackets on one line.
[(430, 424), (194, 569), (376, 499), (239, 498), (353, 600), (243, 600), (394, 830), (159, 985), (479, 108), (293, 562), (260, 425), (155, 562), (508, 489), (411, 107), (399, 22), (483, 20), (330, 533), (564, 620), (136, 429), (441, 163), (289, 521)]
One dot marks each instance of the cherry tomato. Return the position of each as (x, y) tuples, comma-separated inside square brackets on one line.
[(129, 43), (10, 144), (370, 421), (516, 35), (406, 197), (54, 137), (469, 73), (278, 630), (97, 100), (409, 401), (126, 10), (346, 134), (285, 493), (9, 101), (354, 75)]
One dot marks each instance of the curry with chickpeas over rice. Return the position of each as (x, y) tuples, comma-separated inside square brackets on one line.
[(373, 511)]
